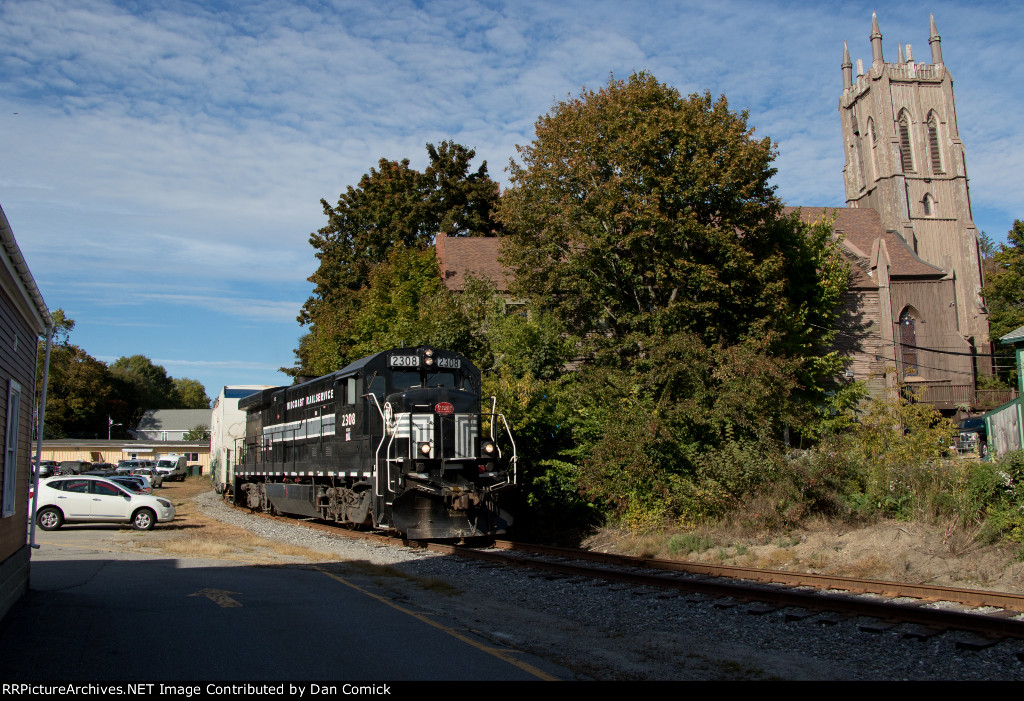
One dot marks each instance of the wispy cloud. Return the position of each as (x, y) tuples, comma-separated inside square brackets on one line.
[(188, 145)]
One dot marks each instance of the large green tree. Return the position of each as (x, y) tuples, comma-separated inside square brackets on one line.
[(638, 210), (394, 208), (646, 221), (1004, 294), (190, 394)]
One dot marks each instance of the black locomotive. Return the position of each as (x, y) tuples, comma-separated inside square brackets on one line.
[(398, 440)]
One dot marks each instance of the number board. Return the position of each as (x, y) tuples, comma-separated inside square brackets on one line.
[(449, 363), (403, 361)]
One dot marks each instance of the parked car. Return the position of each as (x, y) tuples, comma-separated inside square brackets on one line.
[(971, 437), (48, 468), (151, 474), (136, 483), (78, 499), (126, 467), (73, 467), (100, 469)]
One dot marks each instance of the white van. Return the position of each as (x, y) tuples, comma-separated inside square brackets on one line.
[(172, 467)]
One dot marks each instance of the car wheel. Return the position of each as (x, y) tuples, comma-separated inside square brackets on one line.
[(50, 519), (144, 520)]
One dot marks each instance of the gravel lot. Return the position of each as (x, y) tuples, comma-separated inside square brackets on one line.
[(609, 632)]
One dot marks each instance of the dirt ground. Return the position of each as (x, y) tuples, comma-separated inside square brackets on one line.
[(888, 550)]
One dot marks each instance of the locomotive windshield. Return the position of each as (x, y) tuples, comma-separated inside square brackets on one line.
[(402, 380)]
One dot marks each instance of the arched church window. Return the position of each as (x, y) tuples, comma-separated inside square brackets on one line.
[(933, 144), (908, 341), (929, 205), (906, 154)]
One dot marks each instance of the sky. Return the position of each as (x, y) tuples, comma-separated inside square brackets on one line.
[(162, 162)]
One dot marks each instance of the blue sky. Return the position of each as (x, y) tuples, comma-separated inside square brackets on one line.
[(162, 163)]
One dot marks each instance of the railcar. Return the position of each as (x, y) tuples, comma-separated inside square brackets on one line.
[(399, 440)]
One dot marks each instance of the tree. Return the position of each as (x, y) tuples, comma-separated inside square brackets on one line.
[(1004, 294), (197, 433), (143, 385), (393, 208), (647, 223), (78, 394), (638, 211), (190, 394)]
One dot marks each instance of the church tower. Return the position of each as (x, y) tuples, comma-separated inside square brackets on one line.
[(904, 159)]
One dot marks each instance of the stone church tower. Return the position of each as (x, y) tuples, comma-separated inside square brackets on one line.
[(904, 159)]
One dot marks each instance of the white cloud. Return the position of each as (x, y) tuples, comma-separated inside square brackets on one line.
[(179, 140)]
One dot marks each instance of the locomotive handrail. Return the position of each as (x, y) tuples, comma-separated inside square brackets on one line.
[(514, 460), (376, 456), (494, 408), (393, 432)]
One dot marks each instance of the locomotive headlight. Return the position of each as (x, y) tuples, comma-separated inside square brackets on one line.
[(429, 352), (428, 361), (488, 448), (425, 448)]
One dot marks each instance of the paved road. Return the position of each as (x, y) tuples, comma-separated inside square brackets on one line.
[(98, 613)]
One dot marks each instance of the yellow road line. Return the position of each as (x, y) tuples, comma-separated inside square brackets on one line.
[(496, 652)]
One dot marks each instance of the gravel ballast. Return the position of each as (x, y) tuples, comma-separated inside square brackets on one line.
[(610, 632)]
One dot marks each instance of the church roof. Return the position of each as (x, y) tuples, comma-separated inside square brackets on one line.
[(861, 227), (475, 256), (463, 257)]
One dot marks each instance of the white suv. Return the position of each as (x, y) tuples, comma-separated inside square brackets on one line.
[(77, 499)]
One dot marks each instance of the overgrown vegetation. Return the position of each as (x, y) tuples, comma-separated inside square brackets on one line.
[(672, 338)]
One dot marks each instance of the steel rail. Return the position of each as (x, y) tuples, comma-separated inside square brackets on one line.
[(925, 592), (747, 584), (780, 595)]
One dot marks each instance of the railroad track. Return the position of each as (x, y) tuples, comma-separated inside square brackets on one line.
[(933, 609)]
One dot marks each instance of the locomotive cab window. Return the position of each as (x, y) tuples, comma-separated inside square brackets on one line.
[(404, 379), (448, 380)]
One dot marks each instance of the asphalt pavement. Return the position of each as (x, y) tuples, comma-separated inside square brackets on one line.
[(96, 611)]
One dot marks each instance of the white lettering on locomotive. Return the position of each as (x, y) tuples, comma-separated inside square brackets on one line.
[(324, 396)]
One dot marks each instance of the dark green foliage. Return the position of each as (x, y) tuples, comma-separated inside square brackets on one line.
[(646, 223), (1004, 296), (197, 433), (370, 239), (79, 393), (637, 212), (190, 394)]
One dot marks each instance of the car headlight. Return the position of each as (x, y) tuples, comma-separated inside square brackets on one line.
[(164, 503)]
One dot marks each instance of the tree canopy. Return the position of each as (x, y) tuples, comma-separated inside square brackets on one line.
[(648, 224), (394, 210), (86, 398), (639, 211), (1004, 294)]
